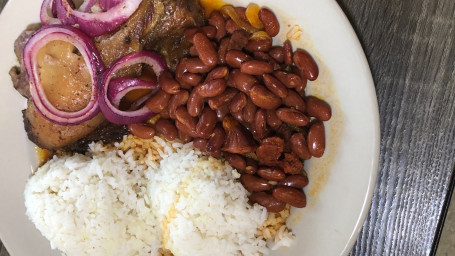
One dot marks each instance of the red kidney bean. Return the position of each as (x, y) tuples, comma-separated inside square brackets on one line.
[(222, 50), (210, 31), (165, 113), (158, 101), (287, 50), (205, 49), (305, 62), (238, 103), (268, 201), (195, 103), (166, 128), (142, 131), (289, 80), (301, 90), (206, 123), (180, 69), (262, 45), (216, 19), (235, 160), (186, 129), (211, 88), (271, 173), (316, 139), (190, 79), (293, 100), (239, 39), (176, 101), (241, 12), (216, 153), (272, 119), (223, 98), (256, 67), (299, 146), (271, 24), (253, 183), (235, 58), (216, 140), (262, 56), (260, 123), (167, 83), (190, 32), (263, 98), (193, 51), (275, 86), (291, 164), (292, 116), (251, 166), (277, 54), (238, 116), (195, 65), (221, 112), (295, 181), (217, 73), (284, 132), (318, 108), (200, 144), (185, 138), (243, 82), (184, 118), (249, 111), (290, 195)]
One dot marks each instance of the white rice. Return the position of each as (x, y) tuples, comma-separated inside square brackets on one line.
[(142, 196)]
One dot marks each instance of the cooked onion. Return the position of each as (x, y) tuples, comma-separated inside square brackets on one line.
[(110, 111), (119, 87), (94, 64), (96, 24), (47, 16)]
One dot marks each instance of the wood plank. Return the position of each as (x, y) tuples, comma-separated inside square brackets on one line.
[(409, 45)]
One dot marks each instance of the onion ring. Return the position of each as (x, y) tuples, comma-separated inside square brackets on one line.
[(119, 87), (110, 111), (94, 64), (96, 24)]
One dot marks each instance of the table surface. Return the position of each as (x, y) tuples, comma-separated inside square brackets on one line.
[(410, 47)]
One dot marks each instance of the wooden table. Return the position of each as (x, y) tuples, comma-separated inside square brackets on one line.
[(410, 45)]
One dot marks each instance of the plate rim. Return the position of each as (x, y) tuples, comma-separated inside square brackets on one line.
[(375, 161)]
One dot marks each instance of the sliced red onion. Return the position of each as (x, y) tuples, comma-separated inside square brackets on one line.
[(108, 4), (94, 64), (119, 87), (112, 113), (96, 24), (47, 16), (87, 5)]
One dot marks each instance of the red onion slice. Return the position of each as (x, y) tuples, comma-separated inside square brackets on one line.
[(112, 113), (87, 5), (96, 24), (108, 4), (47, 16), (94, 64), (119, 87)]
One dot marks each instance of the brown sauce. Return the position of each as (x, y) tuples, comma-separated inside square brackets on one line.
[(64, 76)]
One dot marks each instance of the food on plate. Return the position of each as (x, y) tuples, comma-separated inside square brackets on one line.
[(126, 199), (171, 126)]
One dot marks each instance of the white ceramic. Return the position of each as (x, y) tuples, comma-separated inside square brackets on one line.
[(342, 182)]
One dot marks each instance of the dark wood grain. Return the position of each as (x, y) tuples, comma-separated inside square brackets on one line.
[(410, 45), (411, 51)]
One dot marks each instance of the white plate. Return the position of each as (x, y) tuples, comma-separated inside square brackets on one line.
[(342, 182)]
